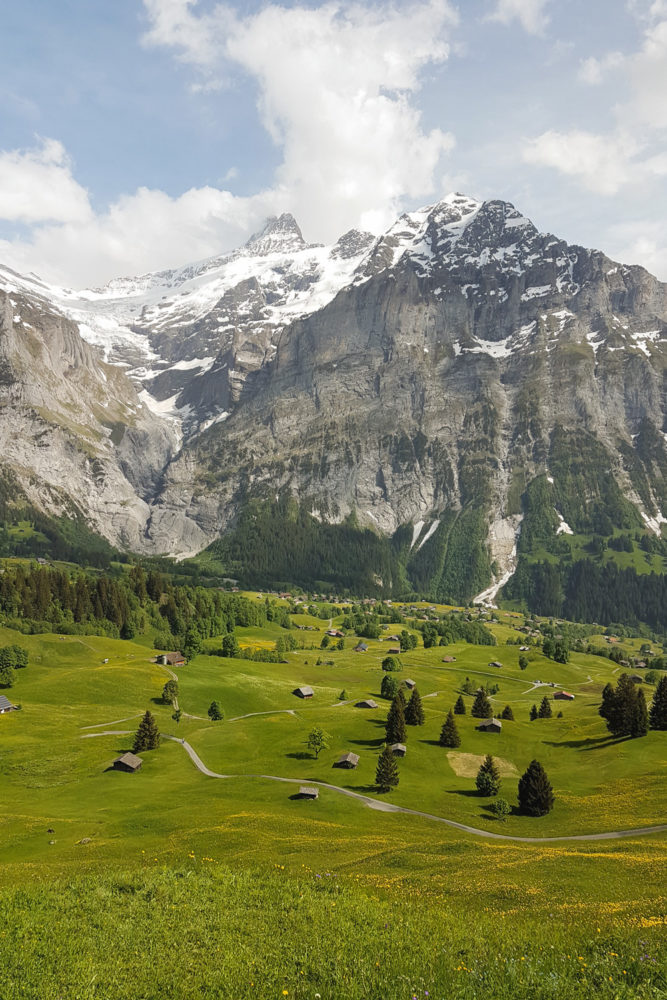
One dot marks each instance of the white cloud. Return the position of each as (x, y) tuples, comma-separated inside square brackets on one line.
[(336, 93), (531, 14), (37, 185), (600, 162), (640, 242), (593, 71)]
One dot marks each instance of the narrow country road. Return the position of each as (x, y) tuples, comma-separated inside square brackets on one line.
[(390, 807)]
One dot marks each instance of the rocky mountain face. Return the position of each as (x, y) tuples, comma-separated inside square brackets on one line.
[(424, 378)]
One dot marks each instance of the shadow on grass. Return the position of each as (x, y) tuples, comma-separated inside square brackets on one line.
[(368, 743), (432, 743), (590, 743), (364, 789), (301, 755), (161, 702), (469, 793)]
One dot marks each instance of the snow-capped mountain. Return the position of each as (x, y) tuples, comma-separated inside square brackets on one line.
[(408, 377)]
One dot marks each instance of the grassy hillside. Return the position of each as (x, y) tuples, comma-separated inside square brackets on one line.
[(171, 864)]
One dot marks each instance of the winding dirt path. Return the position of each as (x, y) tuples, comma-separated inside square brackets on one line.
[(390, 807)]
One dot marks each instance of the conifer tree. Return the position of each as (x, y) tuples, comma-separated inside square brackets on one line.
[(460, 706), (658, 716), (545, 709), (507, 713), (488, 777), (414, 712), (449, 734), (639, 721), (533, 713), (396, 721), (386, 776), (215, 713), (536, 796), (147, 736), (481, 706)]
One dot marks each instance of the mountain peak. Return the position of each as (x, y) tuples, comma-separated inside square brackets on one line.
[(280, 233)]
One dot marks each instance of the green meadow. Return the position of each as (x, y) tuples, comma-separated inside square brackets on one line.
[(189, 860)]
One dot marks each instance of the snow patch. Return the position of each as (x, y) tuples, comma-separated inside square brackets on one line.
[(428, 534), (654, 522), (416, 531), (563, 527)]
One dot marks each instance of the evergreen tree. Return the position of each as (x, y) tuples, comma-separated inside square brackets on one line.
[(176, 716), (536, 797), (396, 721), (389, 687), (414, 712), (449, 734), (215, 713), (386, 776), (488, 777), (545, 709), (460, 706), (523, 662), (533, 713), (170, 692), (639, 722), (507, 713), (481, 706), (624, 708), (658, 715), (147, 736)]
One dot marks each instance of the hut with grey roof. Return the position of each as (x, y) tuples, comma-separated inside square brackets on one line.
[(304, 692), (6, 705), (490, 726), (308, 792), (366, 703), (128, 762), (348, 760), (398, 749), (409, 683)]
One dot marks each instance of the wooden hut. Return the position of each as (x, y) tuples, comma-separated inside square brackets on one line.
[(398, 749), (348, 760), (304, 692), (366, 703), (490, 726), (128, 762), (308, 792)]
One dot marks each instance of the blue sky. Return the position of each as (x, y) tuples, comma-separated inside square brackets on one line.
[(140, 134)]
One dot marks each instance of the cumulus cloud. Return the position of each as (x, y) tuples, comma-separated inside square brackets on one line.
[(336, 92), (634, 149), (37, 185), (531, 14)]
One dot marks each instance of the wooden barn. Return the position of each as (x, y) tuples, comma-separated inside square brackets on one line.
[(304, 692), (348, 760), (490, 726), (128, 762)]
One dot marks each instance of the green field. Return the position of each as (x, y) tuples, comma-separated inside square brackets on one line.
[(171, 818)]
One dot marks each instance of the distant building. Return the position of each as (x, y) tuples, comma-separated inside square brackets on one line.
[(449, 659), (308, 792), (563, 696), (128, 762), (171, 659), (409, 683), (398, 749), (334, 633), (490, 726), (395, 651), (347, 760), (495, 663), (366, 703), (304, 692), (361, 647), (6, 705)]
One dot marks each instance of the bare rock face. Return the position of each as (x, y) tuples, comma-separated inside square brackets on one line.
[(408, 378)]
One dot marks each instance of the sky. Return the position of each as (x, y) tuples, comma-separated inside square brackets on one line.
[(137, 135)]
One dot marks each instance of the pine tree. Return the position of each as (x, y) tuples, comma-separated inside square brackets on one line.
[(658, 715), (414, 712), (386, 776), (396, 721), (545, 709), (449, 734), (215, 713), (639, 721), (536, 797), (507, 713), (147, 736), (481, 706), (460, 706), (533, 713), (488, 777)]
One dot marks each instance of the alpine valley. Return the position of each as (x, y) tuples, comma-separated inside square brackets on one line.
[(458, 405)]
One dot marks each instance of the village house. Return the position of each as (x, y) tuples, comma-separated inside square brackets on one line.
[(129, 762), (171, 659), (490, 726), (563, 696), (347, 760), (361, 647)]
